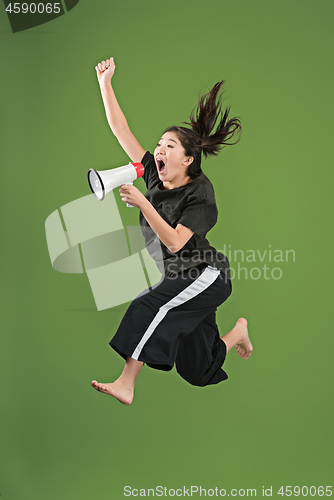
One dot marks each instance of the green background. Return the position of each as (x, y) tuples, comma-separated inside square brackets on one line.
[(270, 424)]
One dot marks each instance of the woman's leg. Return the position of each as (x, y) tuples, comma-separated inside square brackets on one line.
[(239, 338), (122, 389), (201, 354)]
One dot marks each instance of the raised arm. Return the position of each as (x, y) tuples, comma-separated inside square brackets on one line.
[(115, 116)]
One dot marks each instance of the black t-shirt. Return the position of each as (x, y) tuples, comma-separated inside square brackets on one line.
[(192, 205)]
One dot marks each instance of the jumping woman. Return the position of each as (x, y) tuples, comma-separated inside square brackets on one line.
[(174, 322)]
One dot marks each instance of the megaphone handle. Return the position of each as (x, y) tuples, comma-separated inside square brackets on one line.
[(128, 204)]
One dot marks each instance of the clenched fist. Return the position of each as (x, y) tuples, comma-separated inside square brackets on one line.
[(105, 70), (132, 195)]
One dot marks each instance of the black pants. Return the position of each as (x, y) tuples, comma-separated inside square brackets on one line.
[(176, 323)]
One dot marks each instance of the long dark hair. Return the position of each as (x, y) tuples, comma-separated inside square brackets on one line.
[(200, 137)]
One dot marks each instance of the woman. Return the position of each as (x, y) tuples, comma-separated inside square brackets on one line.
[(175, 321)]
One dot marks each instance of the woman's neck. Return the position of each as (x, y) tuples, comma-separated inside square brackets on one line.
[(167, 185)]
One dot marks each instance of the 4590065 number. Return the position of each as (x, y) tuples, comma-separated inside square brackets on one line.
[(33, 8), (305, 491)]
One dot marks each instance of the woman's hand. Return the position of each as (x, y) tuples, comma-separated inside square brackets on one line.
[(105, 70), (130, 194)]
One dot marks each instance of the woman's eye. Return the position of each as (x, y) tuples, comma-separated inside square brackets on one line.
[(169, 146)]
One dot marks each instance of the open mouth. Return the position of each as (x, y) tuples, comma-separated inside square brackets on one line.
[(161, 165)]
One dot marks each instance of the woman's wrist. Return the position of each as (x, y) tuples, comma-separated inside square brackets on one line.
[(145, 205), (105, 84)]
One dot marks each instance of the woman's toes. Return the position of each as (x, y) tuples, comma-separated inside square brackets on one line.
[(96, 385)]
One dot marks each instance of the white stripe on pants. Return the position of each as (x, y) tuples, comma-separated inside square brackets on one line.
[(209, 275)]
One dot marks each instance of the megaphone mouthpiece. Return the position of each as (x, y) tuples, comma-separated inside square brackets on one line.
[(139, 169)]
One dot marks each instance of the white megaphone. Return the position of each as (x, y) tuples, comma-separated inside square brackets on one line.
[(103, 181)]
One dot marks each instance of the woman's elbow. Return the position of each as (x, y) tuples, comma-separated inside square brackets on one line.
[(173, 249), (181, 240), (176, 247)]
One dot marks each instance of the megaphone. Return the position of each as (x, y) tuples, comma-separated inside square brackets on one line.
[(103, 181)]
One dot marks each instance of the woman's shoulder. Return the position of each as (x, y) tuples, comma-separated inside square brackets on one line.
[(150, 172), (147, 158), (202, 185)]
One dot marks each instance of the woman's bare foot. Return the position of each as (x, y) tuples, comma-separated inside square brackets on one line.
[(117, 389), (243, 346), (239, 338)]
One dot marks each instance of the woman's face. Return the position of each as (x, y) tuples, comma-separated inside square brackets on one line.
[(171, 162)]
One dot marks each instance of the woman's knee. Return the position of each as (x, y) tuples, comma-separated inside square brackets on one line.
[(196, 379)]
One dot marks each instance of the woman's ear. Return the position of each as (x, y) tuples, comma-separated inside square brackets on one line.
[(188, 161)]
